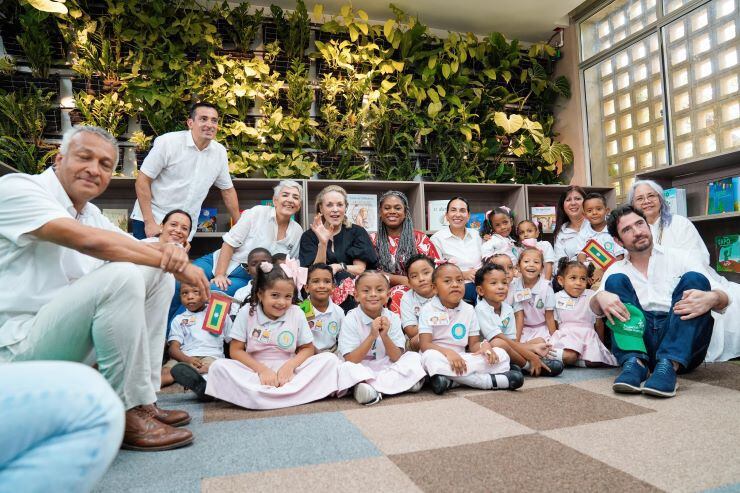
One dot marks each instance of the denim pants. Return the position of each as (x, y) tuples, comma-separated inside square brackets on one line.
[(137, 229), (471, 295), (61, 425), (238, 277), (666, 336)]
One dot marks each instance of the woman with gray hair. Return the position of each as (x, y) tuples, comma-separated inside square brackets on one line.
[(674, 231), (396, 241), (668, 229)]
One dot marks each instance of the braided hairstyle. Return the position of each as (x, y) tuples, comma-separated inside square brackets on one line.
[(406, 243)]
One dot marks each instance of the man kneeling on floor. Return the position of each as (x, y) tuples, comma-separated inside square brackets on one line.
[(72, 281), (657, 301)]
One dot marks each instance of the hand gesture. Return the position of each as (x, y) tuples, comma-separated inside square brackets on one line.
[(323, 233), (612, 306), (375, 327), (193, 274), (487, 351), (456, 362), (222, 282), (285, 374), (174, 258), (384, 325), (151, 228), (694, 303), (268, 377), (540, 348), (536, 366)]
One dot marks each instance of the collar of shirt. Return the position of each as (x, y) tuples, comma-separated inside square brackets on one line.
[(656, 249), (190, 142), (419, 299), (263, 319), (447, 233), (437, 303), (329, 309), (365, 318), (49, 178)]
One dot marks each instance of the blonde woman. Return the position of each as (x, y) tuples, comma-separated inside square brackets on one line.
[(335, 241)]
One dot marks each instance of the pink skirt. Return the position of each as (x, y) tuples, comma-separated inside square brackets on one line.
[(436, 363), (383, 375), (583, 340), (529, 332), (234, 382)]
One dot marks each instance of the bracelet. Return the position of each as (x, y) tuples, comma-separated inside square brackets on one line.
[(343, 265)]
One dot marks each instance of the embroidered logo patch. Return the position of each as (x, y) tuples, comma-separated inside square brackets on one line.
[(540, 304), (505, 322), (285, 339), (333, 328), (458, 331)]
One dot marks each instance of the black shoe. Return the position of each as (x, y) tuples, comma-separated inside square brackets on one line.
[(188, 377), (440, 384), (514, 376), (556, 367)]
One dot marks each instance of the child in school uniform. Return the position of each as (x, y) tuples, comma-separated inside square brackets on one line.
[(576, 342), (325, 318), (446, 326), (497, 324), (372, 344), (419, 269), (274, 363), (596, 210), (188, 344), (529, 235), (534, 300), (496, 232), (504, 261), (254, 259)]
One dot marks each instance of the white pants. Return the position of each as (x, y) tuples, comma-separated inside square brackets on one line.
[(120, 311)]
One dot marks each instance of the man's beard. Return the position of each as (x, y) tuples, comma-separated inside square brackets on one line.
[(647, 245)]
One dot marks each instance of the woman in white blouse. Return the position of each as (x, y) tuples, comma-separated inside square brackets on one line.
[(674, 231), (569, 221), (460, 244)]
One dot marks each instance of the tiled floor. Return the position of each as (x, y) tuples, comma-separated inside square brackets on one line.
[(569, 433)]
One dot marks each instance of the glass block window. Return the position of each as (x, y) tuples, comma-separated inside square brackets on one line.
[(671, 5), (624, 107), (614, 23), (702, 51)]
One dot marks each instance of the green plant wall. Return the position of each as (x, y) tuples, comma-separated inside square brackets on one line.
[(354, 99)]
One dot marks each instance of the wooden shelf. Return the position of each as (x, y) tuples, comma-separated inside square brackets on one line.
[(203, 234), (702, 166), (715, 217)]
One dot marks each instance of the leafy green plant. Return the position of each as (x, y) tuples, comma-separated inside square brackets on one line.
[(293, 29), (142, 141), (23, 113), (7, 65), (24, 156), (107, 111), (35, 40), (242, 26)]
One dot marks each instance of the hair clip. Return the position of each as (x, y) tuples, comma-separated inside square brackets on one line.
[(266, 267)]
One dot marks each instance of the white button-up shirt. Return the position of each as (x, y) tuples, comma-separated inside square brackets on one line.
[(681, 234), (665, 268), (257, 227), (465, 252), (182, 175), (567, 242), (32, 271)]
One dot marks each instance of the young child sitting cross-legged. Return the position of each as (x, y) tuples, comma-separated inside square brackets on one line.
[(325, 318), (373, 343), (446, 326), (189, 345)]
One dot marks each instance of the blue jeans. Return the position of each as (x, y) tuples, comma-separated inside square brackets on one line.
[(471, 295), (666, 336), (61, 425), (238, 277), (137, 229)]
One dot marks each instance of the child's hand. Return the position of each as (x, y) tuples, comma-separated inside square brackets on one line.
[(536, 366), (541, 348), (376, 326), (195, 363), (384, 325), (204, 367), (486, 237), (486, 350), (456, 362), (268, 377), (285, 375)]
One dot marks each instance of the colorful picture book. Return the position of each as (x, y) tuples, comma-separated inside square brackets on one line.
[(544, 216), (118, 217), (362, 210), (676, 200), (728, 253), (721, 195), (207, 220), (476, 220), (436, 210)]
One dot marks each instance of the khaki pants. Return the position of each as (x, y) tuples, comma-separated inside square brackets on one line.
[(120, 310), (203, 359)]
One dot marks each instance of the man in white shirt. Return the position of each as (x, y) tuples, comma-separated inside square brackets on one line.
[(179, 171), (59, 303), (673, 292)]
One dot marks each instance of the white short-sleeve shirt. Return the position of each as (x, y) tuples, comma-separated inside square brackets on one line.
[(665, 268), (602, 237), (450, 327), (37, 270), (357, 327), (492, 323), (680, 234), (182, 174), (187, 329), (239, 330), (411, 304), (257, 227), (326, 326), (547, 251), (465, 252), (567, 241)]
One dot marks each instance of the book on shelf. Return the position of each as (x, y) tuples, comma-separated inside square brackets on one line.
[(721, 196), (207, 220), (436, 211), (118, 217), (362, 210), (544, 217), (728, 253), (476, 220), (676, 200)]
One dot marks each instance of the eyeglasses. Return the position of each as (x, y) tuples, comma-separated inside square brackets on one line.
[(651, 197)]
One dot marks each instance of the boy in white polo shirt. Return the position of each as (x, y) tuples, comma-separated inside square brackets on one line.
[(325, 318)]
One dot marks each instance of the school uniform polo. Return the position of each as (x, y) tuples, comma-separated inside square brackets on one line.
[(411, 304), (187, 329), (450, 327), (326, 326), (492, 324), (356, 327)]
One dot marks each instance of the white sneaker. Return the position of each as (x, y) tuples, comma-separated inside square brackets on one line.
[(418, 385), (366, 394)]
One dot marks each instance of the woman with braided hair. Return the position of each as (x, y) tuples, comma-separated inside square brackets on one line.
[(396, 241)]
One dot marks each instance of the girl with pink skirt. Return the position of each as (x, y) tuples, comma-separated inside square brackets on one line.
[(274, 363), (372, 343), (534, 300), (576, 341)]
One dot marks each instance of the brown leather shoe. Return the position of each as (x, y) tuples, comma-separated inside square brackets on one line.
[(145, 433), (170, 417)]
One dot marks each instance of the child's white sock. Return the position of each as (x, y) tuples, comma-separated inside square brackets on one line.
[(581, 363), (527, 366), (556, 354)]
